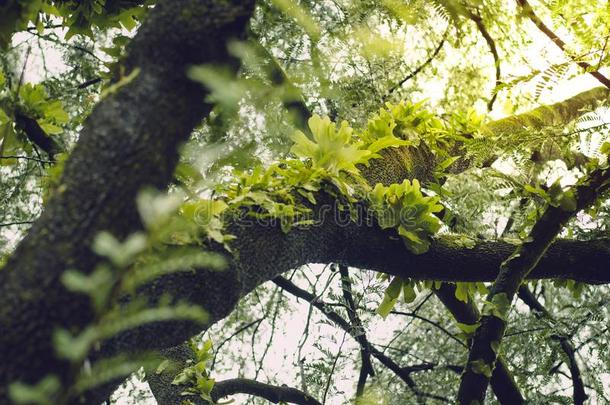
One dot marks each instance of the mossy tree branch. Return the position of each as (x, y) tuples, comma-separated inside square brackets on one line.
[(128, 142)]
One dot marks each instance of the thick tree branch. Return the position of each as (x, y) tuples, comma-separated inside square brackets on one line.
[(529, 12), (129, 141), (558, 114), (489, 335), (566, 344)]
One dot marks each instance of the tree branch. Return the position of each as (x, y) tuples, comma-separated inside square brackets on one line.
[(37, 136), (421, 67), (529, 12), (292, 98), (531, 301), (478, 20), (401, 372), (269, 392), (129, 141), (360, 335), (502, 382), (488, 335)]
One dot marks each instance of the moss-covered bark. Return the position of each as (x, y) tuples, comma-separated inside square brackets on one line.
[(129, 141)]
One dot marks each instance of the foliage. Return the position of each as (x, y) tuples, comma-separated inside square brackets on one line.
[(194, 375), (79, 16)]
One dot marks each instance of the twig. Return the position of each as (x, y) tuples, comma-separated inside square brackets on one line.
[(420, 67), (56, 41), (16, 223), (401, 372), (237, 332), (478, 20), (26, 158), (88, 83)]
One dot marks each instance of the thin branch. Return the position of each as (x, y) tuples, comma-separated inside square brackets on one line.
[(16, 223), (51, 38), (26, 158), (532, 302), (431, 322), (529, 12), (292, 97), (420, 67), (237, 332), (89, 83), (329, 379), (478, 20), (401, 372), (269, 392), (365, 347)]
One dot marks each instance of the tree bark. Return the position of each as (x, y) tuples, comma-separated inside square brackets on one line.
[(129, 141)]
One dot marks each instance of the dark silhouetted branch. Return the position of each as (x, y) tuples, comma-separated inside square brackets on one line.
[(502, 382), (360, 335), (271, 393)]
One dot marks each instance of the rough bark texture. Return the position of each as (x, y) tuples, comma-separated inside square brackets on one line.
[(128, 142)]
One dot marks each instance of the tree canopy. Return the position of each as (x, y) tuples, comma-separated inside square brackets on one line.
[(304, 202)]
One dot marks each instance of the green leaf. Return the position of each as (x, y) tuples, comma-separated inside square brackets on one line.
[(97, 285), (502, 303), (50, 129), (408, 292), (413, 242), (390, 296), (446, 163), (42, 393), (468, 329), (462, 292), (126, 19), (114, 368), (480, 367), (120, 254)]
